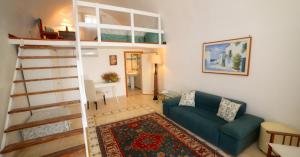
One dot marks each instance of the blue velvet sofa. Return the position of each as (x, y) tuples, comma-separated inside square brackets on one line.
[(232, 137)]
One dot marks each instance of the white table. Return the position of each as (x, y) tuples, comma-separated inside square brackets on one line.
[(102, 86), (285, 150), (169, 94)]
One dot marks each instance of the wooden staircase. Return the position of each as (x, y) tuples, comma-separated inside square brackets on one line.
[(14, 111), (30, 108), (40, 140), (68, 152)]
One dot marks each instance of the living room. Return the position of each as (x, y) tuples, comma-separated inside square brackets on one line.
[(192, 57)]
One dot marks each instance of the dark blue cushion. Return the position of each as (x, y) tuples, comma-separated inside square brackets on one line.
[(200, 122), (169, 103), (237, 128), (151, 38), (210, 102), (207, 101), (234, 146)]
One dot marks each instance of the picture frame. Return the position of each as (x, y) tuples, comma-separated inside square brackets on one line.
[(113, 60), (230, 56)]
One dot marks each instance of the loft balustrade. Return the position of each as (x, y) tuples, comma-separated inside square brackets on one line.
[(101, 24)]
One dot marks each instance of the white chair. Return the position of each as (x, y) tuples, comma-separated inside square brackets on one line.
[(285, 149), (91, 93)]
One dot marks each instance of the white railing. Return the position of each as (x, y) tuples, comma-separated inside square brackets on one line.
[(132, 28), (83, 100)]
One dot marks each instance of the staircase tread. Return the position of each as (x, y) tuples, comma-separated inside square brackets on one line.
[(45, 57), (37, 107), (67, 151), (42, 122), (45, 79), (48, 67), (40, 140), (44, 92)]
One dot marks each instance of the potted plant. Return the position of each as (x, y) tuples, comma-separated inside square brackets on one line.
[(110, 77)]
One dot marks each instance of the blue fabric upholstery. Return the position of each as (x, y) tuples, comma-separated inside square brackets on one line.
[(147, 38), (198, 119), (238, 130), (151, 38), (202, 120), (234, 146), (169, 103), (211, 103), (114, 37)]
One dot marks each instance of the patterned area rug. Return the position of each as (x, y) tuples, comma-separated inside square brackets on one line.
[(150, 136)]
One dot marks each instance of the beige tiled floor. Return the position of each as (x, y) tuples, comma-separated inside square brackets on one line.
[(135, 105), (134, 92)]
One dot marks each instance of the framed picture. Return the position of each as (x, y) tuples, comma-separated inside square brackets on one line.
[(113, 60), (227, 57)]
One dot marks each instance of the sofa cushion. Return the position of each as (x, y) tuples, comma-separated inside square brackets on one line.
[(187, 99), (207, 101), (234, 146), (228, 109), (210, 102), (242, 127), (200, 122)]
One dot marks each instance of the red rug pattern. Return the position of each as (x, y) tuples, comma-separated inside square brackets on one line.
[(150, 135)]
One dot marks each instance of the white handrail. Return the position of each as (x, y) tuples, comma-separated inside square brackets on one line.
[(160, 33), (141, 29), (80, 78), (132, 12), (118, 27), (132, 28), (115, 8)]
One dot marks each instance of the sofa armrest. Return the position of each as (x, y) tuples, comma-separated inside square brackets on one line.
[(242, 127), (168, 103)]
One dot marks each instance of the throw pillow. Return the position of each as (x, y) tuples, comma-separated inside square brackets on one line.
[(228, 109), (187, 99)]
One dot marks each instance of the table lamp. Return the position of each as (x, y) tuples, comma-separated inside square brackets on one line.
[(66, 23)]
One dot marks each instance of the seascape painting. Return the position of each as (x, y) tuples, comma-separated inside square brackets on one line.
[(227, 56)]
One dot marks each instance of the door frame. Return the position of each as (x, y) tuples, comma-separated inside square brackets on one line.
[(125, 65)]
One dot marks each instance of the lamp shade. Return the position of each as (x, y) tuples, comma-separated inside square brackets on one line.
[(66, 23), (156, 59)]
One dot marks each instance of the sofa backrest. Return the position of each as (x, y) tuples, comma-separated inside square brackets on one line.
[(211, 103)]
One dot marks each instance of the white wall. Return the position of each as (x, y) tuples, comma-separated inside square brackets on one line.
[(147, 74), (272, 88), (95, 66), (15, 20)]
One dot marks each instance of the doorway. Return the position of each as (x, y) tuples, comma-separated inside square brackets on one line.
[(133, 72)]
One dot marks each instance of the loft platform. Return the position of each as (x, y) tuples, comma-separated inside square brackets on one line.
[(99, 25), (84, 44)]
